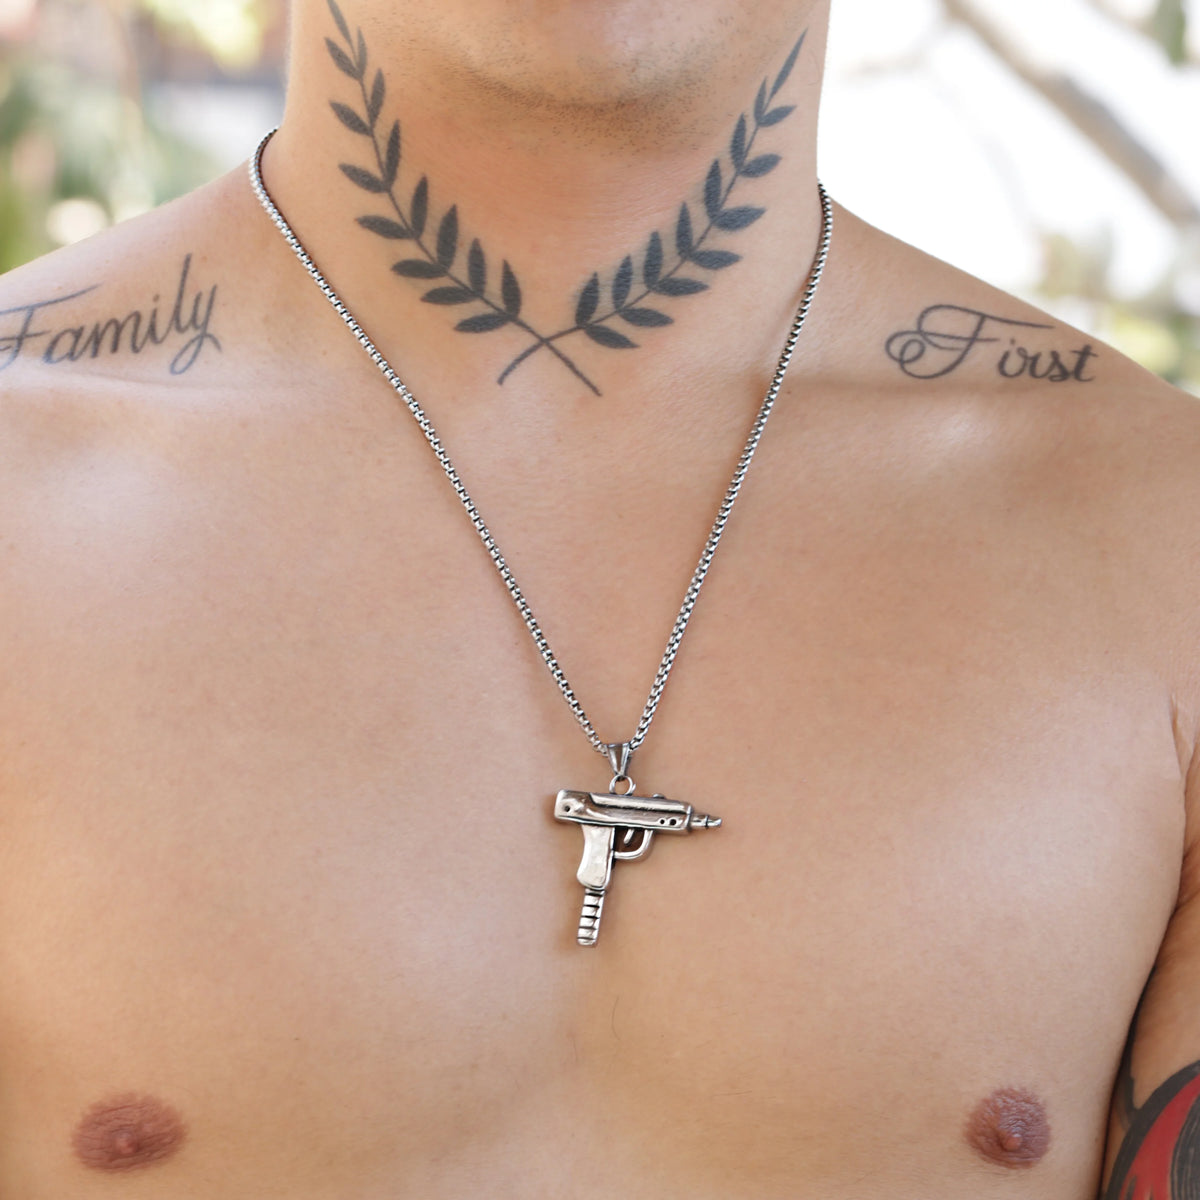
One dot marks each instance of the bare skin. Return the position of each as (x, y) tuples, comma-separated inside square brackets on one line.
[(280, 893)]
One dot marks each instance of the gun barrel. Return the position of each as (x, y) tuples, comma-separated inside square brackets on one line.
[(655, 813)]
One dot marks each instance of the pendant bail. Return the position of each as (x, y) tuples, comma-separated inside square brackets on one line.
[(619, 755)]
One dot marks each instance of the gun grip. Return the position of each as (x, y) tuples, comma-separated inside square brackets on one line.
[(595, 869)]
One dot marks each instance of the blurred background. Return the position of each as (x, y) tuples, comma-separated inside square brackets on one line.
[(1051, 147)]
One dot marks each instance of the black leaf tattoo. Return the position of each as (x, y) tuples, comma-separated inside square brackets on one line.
[(786, 70), (363, 179), (737, 144), (341, 59), (609, 337), (418, 268), (645, 316), (350, 118), (477, 267), (713, 190), (714, 260), (391, 156), (622, 282), (447, 239), (762, 165), (684, 238), (777, 114), (339, 20), (420, 207), (385, 227), (589, 298), (426, 262), (375, 101), (510, 291), (661, 279), (483, 323), (652, 263), (678, 286), (732, 219), (659, 276), (760, 103), (449, 295)]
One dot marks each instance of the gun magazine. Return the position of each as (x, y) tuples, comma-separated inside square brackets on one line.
[(589, 919)]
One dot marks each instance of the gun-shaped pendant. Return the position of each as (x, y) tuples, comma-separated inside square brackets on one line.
[(618, 826)]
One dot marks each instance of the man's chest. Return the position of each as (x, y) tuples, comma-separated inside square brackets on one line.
[(279, 846)]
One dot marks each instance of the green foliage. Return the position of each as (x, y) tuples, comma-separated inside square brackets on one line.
[(1169, 27), (230, 31), (1151, 328), (72, 135), (66, 138)]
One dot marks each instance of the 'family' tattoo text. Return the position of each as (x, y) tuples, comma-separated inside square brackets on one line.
[(28, 330), (652, 275)]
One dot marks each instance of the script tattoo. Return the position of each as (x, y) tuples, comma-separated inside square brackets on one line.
[(189, 318), (600, 303), (946, 335)]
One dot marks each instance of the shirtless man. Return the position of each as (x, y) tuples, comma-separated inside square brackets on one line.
[(284, 910)]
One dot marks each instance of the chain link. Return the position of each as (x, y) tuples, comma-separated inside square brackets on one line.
[(485, 534)]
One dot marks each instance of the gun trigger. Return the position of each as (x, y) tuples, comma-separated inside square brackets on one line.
[(642, 847)]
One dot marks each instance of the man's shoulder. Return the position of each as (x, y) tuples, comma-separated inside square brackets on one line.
[(144, 332), (1030, 426), (145, 297), (1048, 396), (135, 374)]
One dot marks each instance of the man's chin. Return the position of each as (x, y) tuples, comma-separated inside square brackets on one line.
[(588, 62), (601, 54), (591, 84)]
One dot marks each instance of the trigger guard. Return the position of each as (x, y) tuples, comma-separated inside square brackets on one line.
[(643, 846)]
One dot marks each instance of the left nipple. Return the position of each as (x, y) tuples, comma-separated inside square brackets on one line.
[(127, 1131), (1010, 1128)]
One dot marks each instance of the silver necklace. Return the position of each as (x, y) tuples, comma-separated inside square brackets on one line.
[(617, 824)]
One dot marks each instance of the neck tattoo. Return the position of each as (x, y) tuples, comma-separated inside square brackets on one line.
[(631, 296), (618, 823)]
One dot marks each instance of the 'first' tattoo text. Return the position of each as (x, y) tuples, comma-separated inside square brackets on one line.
[(945, 336)]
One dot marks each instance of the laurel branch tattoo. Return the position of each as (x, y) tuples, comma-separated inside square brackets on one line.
[(600, 304)]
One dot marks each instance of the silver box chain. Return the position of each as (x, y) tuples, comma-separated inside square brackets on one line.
[(485, 534)]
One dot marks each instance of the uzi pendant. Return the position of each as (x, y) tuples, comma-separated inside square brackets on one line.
[(618, 824)]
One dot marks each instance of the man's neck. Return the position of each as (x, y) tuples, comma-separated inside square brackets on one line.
[(546, 245)]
